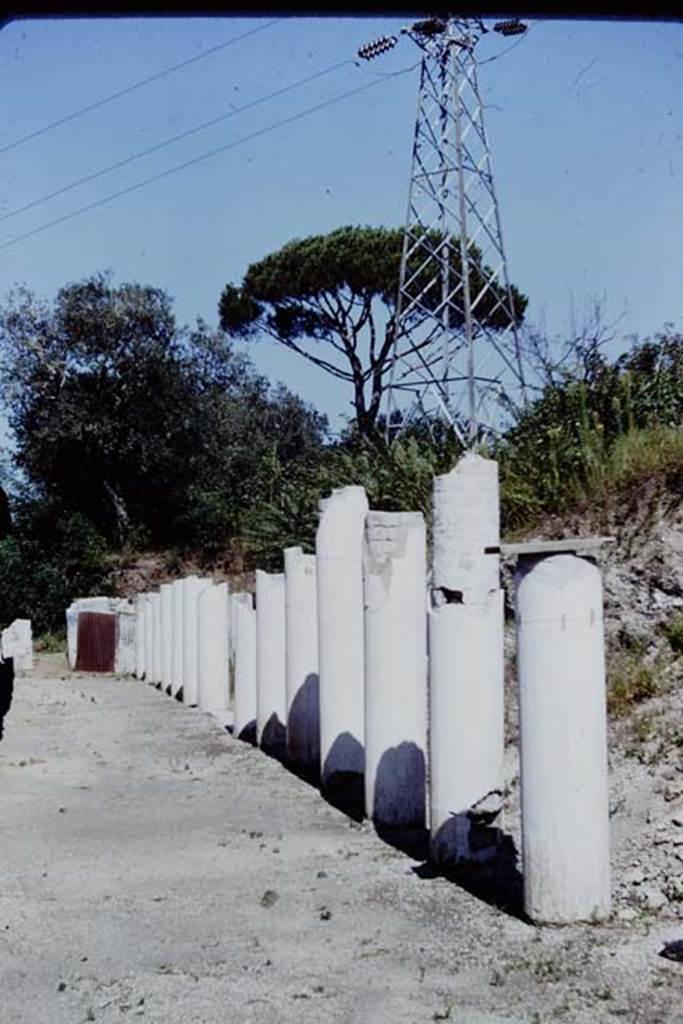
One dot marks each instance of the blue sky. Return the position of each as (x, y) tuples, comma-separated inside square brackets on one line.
[(584, 118)]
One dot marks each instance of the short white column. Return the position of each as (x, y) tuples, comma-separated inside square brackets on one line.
[(561, 674), (177, 660), (395, 579), (244, 648), (158, 639), (466, 665), (271, 717), (193, 588), (166, 590), (301, 646), (339, 561), (212, 649), (150, 637)]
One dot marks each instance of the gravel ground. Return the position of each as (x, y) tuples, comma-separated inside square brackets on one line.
[(155, 868)]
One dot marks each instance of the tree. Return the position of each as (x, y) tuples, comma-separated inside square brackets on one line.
[(332, 299), (122, 416)]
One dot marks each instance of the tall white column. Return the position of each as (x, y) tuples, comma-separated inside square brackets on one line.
[(339, 561), (140, 644), (234, 604), (166, 590), (271, 717), (158, 639), (177, 658), (565, 812), (151, 672), (466, 665), (244, 647), (301, 646), (395, 578), (212, 641), (193, 588)]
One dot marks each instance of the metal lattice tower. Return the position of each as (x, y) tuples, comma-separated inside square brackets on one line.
[(456, 353)]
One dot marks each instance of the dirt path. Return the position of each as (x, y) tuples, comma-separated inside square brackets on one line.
[(154, 868)]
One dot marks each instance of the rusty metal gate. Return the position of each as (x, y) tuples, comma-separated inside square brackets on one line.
[(96, 642)]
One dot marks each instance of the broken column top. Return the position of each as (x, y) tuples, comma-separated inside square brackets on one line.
[(342, 517), (466, 523)]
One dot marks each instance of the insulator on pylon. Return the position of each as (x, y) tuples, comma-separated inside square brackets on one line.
[(377, 46), (430, 27), (513, 27)]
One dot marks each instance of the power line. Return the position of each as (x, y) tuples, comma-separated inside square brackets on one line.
[(168, 142), (205, 156), (135, 85)]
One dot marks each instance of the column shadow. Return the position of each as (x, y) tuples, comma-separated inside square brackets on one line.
[(303, 731), (342, 779), (273, 739), (496, 881), (248, 733)]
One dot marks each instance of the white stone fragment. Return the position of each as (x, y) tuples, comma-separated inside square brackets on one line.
[(17, 643)]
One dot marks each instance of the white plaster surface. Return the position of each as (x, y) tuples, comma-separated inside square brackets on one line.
[(565, 812), (271, 716), (166, 591), (177, 654), (140, 638), (158, 656), (466, 719), (17, 643), (467, 520), (466, 663), (395, 580), (212, 647), (150, 607), (244, 647), (301, 656), (339, 557), (124, 661), (193, 588)]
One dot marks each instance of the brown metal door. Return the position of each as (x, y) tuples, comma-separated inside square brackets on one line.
[(96, 642)]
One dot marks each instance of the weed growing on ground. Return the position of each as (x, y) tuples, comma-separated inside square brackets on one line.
[(631, 681), (673, 631), (52, 641)]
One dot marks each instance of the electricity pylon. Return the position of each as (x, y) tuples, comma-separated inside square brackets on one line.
[(456, 353)]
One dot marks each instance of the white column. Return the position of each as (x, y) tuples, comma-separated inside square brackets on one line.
[(158, 639), (140, 645), (271, 715), (150, 631), (177, 658), (560, 666), (193, 588), (301, 658), (339, 558), (212, 641), (166, 590), (395, 580), (466, 665), (244, 647)]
